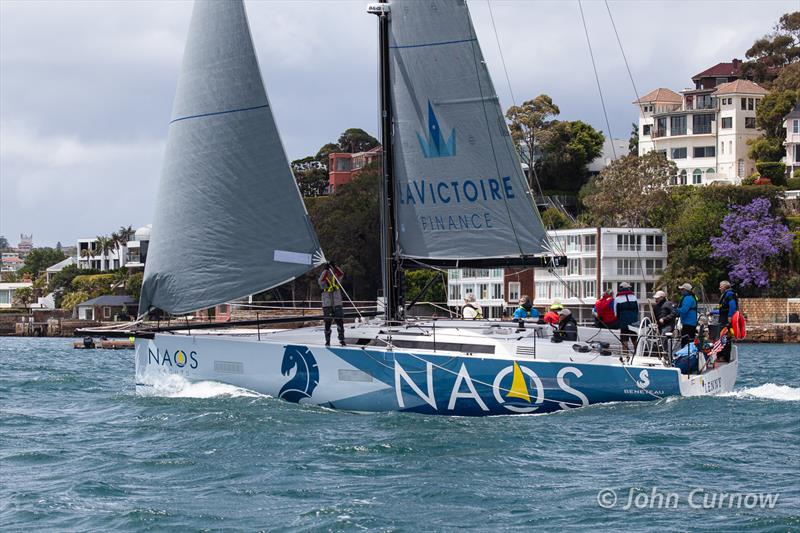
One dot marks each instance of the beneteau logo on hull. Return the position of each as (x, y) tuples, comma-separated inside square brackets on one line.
[(434, 144)]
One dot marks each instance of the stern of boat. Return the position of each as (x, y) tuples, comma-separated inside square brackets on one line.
[(718, 380)]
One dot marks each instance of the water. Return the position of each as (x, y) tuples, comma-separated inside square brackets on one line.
[(79, 450)]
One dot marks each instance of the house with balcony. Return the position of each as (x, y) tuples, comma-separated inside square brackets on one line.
[(704, 130), (132, 254), (792, 143), (137, 247), (343, 166), (598, 259)]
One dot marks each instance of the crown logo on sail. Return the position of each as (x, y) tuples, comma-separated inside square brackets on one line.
[(435, 145)]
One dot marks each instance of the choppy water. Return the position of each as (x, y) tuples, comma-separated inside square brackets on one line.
[(79, 450)]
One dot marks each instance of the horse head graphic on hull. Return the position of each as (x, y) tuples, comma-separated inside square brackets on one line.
[(306, 376)]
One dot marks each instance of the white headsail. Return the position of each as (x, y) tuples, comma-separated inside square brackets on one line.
[(229, 218), (460, 191)]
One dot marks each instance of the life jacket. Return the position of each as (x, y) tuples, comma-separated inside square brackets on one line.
[(478, 312), (725, 304), (551, 317), (605, 310)]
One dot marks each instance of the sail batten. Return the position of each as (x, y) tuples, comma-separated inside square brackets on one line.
[(229, 219), (459, 187)]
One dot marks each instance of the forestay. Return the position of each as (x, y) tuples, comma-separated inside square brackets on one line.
[(460, 191), (229, 218)]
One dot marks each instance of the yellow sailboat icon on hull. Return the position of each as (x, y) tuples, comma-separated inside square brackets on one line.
[(518, 387)]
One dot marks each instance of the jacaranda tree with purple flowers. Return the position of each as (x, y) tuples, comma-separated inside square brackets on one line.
[(751, 237)]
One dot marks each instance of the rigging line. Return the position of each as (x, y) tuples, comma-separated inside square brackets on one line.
[(622, 50), (597, 79), (473, 45), (345, 293), (531, 165)]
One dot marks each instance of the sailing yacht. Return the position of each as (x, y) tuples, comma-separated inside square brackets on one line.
[(230, 222)]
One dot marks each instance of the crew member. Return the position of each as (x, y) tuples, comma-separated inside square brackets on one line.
[(551, 317), (626, 309), (567, 329), (728, 305), (330, 283), (687, 309), (603, 311), (471, 309), (525, 309), (666, 315)]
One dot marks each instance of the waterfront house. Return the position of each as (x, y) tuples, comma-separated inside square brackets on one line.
[(107, 307), (7, 291), (132, 254), (343, 166), (704, 130), (792, 143), (58, 267)]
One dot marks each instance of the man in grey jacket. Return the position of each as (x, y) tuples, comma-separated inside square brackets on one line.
[(330, 282)]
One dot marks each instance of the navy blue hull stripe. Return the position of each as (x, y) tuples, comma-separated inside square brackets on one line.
[(433, 44), (219, 113)]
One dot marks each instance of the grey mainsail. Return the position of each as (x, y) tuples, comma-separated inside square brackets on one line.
[(460, 190), (229, 218)]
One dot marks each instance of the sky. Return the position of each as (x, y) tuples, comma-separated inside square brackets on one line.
[(86, 88)]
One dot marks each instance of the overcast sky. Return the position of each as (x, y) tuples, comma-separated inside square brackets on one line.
[(86, 88)]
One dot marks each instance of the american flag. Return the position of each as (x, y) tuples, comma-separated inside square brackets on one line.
[(717, 346)]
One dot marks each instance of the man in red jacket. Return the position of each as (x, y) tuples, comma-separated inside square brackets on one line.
[(603, 312)]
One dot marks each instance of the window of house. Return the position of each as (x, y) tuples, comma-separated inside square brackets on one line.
[(5, 297), (750, 122), (541, 289), (574, 289), (682, 177), (574, 267), (454, 273), (740, 172), (590, 266), (646, 130), (705, 101), (797, 153), (574, 243), (654, 243), (653, 267), (106, 312), (223, 309), (497, 291), (626, 267), (678, 153), (557, 290), (628, 243), (702, 123), (468, 288), (661, 126), (663, 153), (697, 176), (727, 123), (677, 125), (722, 148), (704, 151), (589, 289), (455, 292), (483, 291), (751, 102), (609, 286), (796, 126), (513, 291), (589, 243), (743, 104)]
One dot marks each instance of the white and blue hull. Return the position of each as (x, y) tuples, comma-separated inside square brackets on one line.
[(549, 377)]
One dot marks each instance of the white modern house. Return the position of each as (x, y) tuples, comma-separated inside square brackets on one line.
[(598, 259), (703, 130), (7, 291), (132, 254), (58, 267), (792, 143)]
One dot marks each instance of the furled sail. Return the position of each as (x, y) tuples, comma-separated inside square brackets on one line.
[(460, 191), (229, 218)]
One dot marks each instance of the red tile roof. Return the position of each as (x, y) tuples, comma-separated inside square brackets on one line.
[(660, 95), (721, 70), (740, 87)]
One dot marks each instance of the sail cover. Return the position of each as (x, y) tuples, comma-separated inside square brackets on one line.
[(229, 218), (460, 190)]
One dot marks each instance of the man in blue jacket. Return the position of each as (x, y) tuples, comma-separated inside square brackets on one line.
[(626, 307), (728, 305), (687, 310)]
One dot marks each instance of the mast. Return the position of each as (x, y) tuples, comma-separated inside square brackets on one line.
[(392, 290)]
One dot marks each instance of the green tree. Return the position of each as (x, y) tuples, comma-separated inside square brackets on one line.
[(633, 141), (567, 148), (23, 296), (312, 182), (3, 243), (769, 118), (105, 245), (553, 218), (773, 52), (527, 122), (347, 224), (628, 191), (788, 79), (322, 154), (355, 140), (133, 285), (39, 259), (416, 281)]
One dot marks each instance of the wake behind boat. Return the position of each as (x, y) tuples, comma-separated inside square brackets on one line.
[(453, 195)]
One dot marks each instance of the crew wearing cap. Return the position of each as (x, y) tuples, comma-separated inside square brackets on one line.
[(687, 309), (626, 308), (728, 305), (567, 329), (551, 317), (665, 313)]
